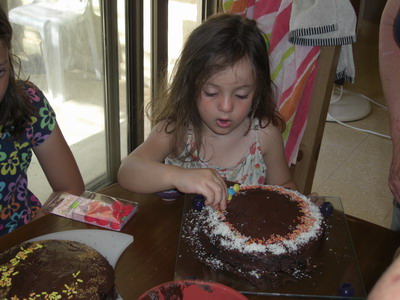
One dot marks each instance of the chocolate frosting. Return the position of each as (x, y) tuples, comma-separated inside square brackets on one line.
[(57, 268), (263, 213)]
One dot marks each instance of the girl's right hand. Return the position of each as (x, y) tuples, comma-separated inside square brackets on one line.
[(206, 182)]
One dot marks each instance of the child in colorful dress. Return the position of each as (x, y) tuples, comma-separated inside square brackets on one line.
[(27, 122), (216, 122)]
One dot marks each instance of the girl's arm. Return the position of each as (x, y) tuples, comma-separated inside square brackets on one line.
[(278, 172), (144, 171), (59, 165)]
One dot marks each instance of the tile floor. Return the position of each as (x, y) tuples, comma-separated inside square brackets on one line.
[(354, 165)]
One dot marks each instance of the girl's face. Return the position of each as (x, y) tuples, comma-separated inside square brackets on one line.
[(4, 71), (225, 99)]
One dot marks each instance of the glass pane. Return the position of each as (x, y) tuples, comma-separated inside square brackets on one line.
[(147, 61), (60, 47), (184, 16), (122, 77)]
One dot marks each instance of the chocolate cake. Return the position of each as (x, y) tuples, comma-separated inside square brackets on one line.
[(55, 269), (267, 235)]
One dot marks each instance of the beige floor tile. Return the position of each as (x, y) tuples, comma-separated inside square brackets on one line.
[(354, 165), (364, 193)]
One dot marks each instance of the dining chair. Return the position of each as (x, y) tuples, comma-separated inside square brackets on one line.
[(306, 162), (57, 21)]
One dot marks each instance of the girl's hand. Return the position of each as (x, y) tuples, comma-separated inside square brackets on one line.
[(206, 182)]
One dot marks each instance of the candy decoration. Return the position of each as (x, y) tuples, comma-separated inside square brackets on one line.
[(233, 190), (106, 215), (346, 290), (198, 203), (326, 209)]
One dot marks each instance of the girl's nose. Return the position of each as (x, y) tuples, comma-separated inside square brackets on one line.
[(225, 104)]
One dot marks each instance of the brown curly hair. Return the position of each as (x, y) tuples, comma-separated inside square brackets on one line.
[(15, 108), (217, 44)]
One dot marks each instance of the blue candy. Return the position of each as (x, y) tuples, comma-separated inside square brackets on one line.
[(198, 203), (326, 209), (346, 290), (231, 191)]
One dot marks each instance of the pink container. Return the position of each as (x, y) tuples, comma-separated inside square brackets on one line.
[(192, 290)]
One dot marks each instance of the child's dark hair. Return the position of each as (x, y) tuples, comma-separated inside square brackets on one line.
[(15, 108), (219, 43)]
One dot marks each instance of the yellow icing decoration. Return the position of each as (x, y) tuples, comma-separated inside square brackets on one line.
[(7, 272)]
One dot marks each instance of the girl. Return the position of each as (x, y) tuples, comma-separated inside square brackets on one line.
[(218, 120), (27, 122)]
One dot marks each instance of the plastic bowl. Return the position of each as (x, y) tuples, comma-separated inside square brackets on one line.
[(192, 290), (169, 195)]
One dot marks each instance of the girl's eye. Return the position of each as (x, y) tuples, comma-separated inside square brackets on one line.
[(2, 72), (242, 96), (210, 94)]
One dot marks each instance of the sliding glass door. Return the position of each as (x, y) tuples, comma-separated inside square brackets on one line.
[(61, 48), (157, 32), (98, 63)]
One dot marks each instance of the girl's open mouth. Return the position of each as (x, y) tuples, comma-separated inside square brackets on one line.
[(223, 123)]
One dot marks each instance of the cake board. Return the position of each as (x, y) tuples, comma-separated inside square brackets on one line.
[(337, 265)]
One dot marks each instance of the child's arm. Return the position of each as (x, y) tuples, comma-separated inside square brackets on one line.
[(278, 172), (59, 165), (144, 171)]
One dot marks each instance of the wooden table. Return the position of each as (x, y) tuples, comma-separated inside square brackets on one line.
[(150, 259)]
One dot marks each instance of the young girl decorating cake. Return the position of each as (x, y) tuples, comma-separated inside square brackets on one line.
[(217, 120)]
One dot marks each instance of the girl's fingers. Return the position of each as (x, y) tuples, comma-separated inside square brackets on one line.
[(218, 193)]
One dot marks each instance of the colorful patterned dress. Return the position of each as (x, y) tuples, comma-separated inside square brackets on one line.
[(18, 205), (249, 170)]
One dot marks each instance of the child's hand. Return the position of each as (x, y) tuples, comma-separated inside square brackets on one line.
[(206, 182)]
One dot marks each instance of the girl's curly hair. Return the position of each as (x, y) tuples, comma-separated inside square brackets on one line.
[(217, 44)]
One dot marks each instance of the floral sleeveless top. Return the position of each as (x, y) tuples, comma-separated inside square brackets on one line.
[(18, 205), (249, 170)]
